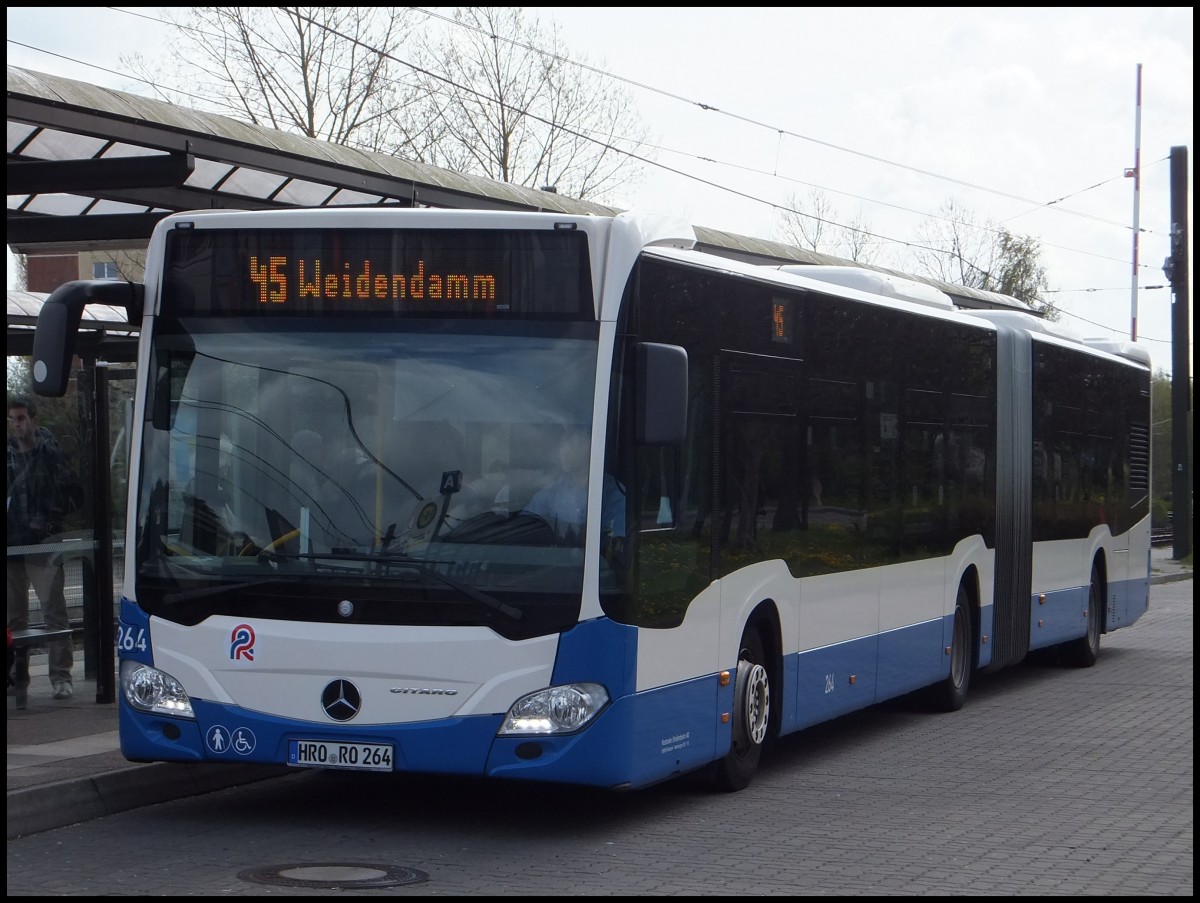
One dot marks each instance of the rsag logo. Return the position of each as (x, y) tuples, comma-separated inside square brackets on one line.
[(241, 643)]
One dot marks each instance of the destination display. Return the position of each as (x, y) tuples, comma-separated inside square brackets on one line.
[(377, 272)]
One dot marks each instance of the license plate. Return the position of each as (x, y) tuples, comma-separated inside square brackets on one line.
[(327, 754)]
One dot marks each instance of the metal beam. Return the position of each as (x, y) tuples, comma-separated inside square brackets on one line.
[(151, 171), (42, 230)]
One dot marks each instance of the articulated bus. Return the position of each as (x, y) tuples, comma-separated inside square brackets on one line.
[(563, 498)]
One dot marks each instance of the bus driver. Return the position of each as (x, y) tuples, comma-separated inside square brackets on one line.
[(563, 502)]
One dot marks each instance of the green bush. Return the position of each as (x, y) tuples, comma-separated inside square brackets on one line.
[(1160, 513)]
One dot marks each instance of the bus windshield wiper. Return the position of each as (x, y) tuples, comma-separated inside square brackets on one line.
[(478, 595), (423, 568)]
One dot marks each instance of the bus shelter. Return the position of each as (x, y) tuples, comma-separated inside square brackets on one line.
[(90, 423)]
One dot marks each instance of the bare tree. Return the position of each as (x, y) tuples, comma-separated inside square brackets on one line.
[(516, 109), (805, 223), (130, 263), (858, 241), (321, 71), (812, 223), (955, 248), (20, 270), (490, 94)]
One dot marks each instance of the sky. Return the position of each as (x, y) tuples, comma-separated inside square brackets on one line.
[(1026, 118)]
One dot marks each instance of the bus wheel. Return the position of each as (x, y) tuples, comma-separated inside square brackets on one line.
[(1083, 652), (951, 693), (751, 715)]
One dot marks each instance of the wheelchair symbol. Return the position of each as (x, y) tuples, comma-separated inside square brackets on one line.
[(242, 741)]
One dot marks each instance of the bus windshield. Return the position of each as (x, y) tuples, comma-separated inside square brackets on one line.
[(294, 467)]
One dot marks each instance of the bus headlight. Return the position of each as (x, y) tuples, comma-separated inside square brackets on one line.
[(150, 690), (555, 710)]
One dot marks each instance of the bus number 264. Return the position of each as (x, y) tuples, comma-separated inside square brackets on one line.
[(131, 639)]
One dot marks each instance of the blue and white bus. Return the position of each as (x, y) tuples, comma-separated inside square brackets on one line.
[(802, 491)]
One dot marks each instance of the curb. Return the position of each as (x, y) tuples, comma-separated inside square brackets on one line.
[(35, 809), (1171, 578)]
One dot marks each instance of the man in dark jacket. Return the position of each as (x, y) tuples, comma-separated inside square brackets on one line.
[(42, 490)]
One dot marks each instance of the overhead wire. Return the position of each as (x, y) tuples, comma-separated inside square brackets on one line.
[(608, 145)]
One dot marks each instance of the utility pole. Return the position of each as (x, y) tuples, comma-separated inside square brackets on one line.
[(1176, 269), (1135, 173)]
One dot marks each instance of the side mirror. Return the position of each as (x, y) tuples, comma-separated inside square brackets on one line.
[(662, 373), (58, 327)]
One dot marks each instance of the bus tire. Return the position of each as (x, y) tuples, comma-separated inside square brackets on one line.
[(950, 694), (1083, 652), (751, 715)]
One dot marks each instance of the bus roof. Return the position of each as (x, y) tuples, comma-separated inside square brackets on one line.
[(875, 282), (1030, 323)]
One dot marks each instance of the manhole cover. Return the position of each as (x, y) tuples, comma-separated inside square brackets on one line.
[(334, 875)]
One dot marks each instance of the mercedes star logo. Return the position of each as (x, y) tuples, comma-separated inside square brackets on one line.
[(341, 700)]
